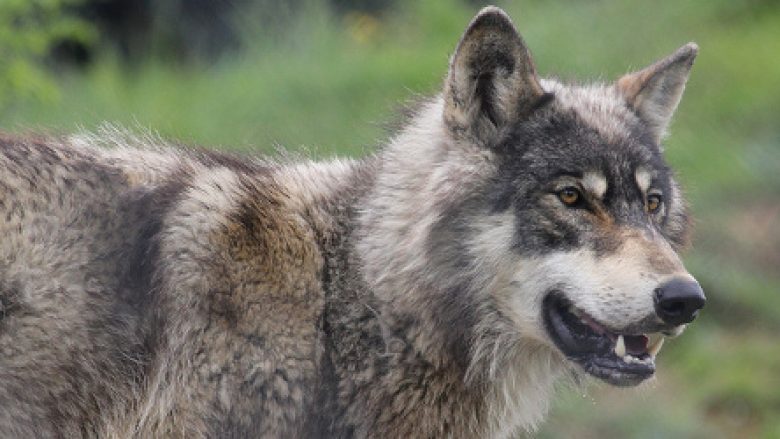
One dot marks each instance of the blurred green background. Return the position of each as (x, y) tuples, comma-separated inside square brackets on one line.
[(327, 77)]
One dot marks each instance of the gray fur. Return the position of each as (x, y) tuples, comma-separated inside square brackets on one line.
[(655, 91), (153, 291)]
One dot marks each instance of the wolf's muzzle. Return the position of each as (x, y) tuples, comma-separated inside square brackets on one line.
[(679, 300)]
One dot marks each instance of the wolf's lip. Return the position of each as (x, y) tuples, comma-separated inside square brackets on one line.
[(617, 358)]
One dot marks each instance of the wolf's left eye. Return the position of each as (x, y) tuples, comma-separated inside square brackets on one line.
[(570, 196), (654, 203)]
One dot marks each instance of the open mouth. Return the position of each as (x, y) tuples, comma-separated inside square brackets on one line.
[(620, 359)]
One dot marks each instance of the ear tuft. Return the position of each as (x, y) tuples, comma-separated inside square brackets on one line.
[(492, 78), (654, 92), (491, 18)]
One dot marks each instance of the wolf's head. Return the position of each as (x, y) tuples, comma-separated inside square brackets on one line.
[(518, 212)]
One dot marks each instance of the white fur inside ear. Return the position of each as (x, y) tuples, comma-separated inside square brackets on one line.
[(657, 105)]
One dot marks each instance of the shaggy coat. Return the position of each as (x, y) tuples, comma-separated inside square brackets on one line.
[(153, 291)]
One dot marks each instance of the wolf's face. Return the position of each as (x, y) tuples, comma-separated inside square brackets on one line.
[(584, 217)]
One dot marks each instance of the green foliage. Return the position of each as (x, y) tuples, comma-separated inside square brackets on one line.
[(28, 31), (329, 82)]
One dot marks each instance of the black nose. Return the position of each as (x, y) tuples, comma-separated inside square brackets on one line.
[(679, 300)]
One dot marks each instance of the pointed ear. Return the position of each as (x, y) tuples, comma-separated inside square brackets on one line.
[(655, 91), (492, 79)]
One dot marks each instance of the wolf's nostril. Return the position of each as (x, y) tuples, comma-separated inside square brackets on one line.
[(678, 301), (672, 308)]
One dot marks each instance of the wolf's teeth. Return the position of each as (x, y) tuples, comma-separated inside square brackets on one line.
[(620, 347), (656, 346), (653, 338)]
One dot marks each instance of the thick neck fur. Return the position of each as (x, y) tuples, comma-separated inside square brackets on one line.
[(436, 316)]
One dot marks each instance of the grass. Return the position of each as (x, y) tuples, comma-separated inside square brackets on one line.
[(330, 83)]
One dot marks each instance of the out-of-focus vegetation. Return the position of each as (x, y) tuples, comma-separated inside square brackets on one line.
[(29, 31), (327, 79)]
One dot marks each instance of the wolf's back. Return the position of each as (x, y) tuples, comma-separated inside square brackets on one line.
[(70, 319), (135, 301)]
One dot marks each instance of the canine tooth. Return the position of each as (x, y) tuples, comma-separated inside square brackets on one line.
[(655, 347), (620, 347)]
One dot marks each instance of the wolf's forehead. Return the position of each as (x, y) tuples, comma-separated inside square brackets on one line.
[(599, 106)]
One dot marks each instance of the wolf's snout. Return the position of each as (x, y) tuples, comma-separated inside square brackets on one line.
[(679, 300)]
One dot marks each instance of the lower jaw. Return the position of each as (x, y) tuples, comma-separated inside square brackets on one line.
[(618, 378), (616, 375), (597, 354)]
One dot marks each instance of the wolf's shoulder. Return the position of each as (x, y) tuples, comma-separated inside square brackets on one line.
[(241, 225)]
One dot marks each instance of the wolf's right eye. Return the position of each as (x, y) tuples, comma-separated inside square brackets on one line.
[(654, 203), (570, 196)]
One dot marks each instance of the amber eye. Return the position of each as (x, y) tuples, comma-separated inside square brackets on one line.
[(653, 203), (569, 195)]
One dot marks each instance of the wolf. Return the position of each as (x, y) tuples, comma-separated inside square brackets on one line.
[(517, 231)]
